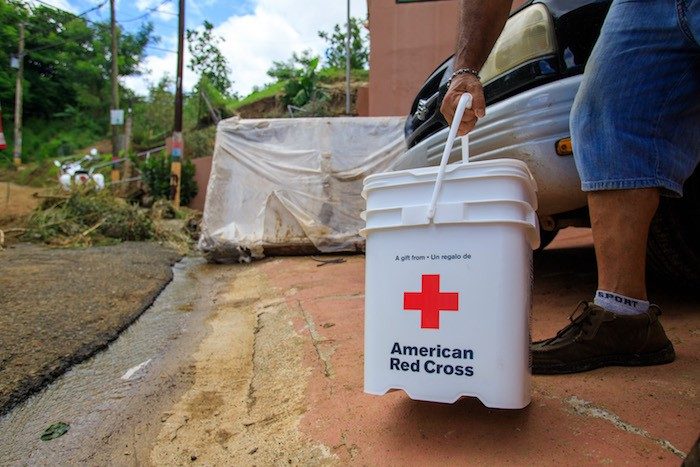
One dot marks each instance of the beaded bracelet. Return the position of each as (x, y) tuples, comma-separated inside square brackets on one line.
[(463, 71)]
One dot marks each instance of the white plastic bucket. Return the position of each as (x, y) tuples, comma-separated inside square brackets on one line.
[(448, 289)]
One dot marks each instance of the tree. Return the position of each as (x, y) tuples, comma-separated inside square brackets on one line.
[(335, 53), (153, 117), (67, 64), (207, 59), (284, 70), (300, 77), (66, 74), (10, 17)]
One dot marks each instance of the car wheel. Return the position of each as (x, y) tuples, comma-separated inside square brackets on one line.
[(674, 236)]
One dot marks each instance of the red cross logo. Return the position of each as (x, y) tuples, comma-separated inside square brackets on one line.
[(430, 301)]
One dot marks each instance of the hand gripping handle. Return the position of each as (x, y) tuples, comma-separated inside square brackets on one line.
[(465, 102)]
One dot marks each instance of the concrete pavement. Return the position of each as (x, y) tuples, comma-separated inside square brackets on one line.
[(613, 415), (275, 377)]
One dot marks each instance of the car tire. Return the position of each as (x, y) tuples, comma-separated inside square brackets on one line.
[(674, 237), (546, 237)]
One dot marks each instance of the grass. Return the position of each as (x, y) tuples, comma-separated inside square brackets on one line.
[(35, 174), (327, 78), (269, 91), (333, 75)]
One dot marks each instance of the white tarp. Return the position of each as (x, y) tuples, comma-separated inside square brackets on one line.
[(293, 185)]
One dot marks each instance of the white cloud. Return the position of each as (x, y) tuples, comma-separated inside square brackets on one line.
[(155, 67), (275, 30), (61, 4), (163, 11), (252, 42)]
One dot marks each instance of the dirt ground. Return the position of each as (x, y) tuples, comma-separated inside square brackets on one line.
[(16, 204), (60, 306)]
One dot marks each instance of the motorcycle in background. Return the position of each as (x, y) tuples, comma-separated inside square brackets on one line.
[(73, 173)]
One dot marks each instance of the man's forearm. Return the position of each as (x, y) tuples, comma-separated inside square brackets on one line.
[(480, 24)]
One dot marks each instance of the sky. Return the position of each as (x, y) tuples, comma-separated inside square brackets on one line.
[(255, 32)]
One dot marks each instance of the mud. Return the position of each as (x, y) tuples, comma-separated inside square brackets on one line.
[(60, 306), (16, 204), (16, 200), (115, 402)]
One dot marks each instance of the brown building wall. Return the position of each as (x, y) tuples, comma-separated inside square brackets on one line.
[(201, 176), (408, 41)]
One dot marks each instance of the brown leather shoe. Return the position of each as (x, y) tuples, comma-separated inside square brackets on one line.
[(597, 337)]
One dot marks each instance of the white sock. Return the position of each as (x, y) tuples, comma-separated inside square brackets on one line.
[(620, 304)]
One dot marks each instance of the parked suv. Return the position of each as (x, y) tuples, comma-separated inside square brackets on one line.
[(530, 81)]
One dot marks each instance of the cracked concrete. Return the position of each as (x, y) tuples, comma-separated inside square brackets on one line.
[(324, 347), (394, 430), (247, 399), (589, 409)]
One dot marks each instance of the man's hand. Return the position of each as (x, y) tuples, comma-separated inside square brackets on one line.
[(461, 84)]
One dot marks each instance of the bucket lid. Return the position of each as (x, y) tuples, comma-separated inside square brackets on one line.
[(452, 172), (497, 211), (456, 171)]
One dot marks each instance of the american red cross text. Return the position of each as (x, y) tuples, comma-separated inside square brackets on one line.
[(430, 301)]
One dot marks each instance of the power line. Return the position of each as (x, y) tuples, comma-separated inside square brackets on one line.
[(167, 12), (82, 16), (90, 10), (148, 12), (93, 8), (73, 14), (161, 49)]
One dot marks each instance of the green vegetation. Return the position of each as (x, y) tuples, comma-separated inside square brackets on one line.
[(66, 110), (67, 87), (207, 59), (302, 86), (66, 76), (37, 174), (334, 75), (84, 218), (335, 53), (156, 175)]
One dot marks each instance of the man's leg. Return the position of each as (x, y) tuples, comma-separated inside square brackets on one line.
[(619, 329), (635, 137), (620, 221)]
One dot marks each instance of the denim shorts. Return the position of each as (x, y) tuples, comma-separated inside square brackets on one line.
[(635, 122)]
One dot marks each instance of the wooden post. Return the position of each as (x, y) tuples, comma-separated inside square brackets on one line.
[(17, 149), (115, 92), (347, 64), (178, 144), (128, 166)]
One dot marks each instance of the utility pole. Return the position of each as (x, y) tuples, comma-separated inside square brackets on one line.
[(115, 92), (177, 143), (128, 167), (347, 65), (17, 150)]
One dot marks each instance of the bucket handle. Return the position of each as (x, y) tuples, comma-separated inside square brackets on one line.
[(465, 102)]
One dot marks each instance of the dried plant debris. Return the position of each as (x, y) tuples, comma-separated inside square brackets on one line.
[(86, 218)]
